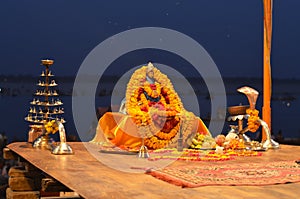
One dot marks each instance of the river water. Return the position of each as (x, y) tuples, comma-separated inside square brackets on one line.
[(15, 103)]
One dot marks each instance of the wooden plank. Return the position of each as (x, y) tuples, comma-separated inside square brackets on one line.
[(93, 176)]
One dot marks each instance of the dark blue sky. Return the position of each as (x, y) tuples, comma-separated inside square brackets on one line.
[(67, 30)]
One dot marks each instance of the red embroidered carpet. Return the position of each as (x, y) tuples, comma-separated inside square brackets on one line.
[(228, 174)]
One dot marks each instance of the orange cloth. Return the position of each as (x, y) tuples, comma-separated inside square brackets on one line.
[(120, 130)]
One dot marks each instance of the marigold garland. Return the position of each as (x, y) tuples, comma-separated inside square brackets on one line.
[(253, 123), (199, 155), (157, 109), (51, 127)]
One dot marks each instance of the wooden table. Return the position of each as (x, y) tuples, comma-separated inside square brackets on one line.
[(92, 174)]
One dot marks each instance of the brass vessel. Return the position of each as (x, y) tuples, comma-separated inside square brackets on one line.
[(252, 95)]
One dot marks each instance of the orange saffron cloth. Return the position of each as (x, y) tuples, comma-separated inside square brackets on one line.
[(118, 129)]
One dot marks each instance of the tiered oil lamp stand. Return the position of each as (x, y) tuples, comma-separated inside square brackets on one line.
[(44, 108)]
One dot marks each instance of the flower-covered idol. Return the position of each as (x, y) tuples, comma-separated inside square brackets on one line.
[(156, 114)]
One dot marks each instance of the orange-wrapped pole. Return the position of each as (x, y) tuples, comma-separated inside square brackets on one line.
[(267, 77)]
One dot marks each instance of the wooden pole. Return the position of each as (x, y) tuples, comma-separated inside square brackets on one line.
[(267, 76)]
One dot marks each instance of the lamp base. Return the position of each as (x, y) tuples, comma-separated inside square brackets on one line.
[(62, 149), (43, 142), (270, 144), (143, 152)]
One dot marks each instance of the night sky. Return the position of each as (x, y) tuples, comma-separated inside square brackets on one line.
[(230, 30)]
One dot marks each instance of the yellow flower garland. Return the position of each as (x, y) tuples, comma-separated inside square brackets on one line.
[(253, 123), (141, 110), (51, 127), (153, 93)]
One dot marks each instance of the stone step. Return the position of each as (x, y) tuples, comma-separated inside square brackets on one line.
[(10, 194)]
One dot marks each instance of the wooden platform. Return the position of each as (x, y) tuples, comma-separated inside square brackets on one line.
[(92, 174)]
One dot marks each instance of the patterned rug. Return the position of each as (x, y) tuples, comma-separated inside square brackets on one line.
[(228, 174)]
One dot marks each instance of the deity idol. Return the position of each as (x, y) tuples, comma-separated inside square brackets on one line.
[(153, 111)]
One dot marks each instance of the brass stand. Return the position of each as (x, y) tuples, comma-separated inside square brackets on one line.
[(44, 108), (268, 143), (252, 95), (62, 149), (143, 152), (43, 142)]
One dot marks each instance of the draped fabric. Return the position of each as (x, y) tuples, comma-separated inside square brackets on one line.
[(119, 130), (267, 83)]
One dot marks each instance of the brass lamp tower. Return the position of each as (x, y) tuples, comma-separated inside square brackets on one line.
[(44, 108)]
